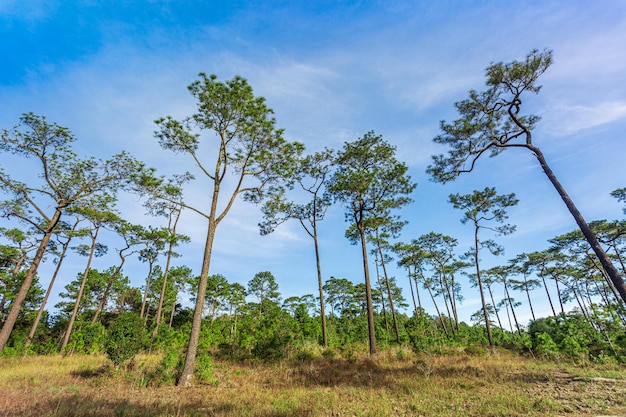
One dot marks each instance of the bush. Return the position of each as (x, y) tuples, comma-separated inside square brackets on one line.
[(126, 337), (94, 338), (546, 347), (572, 349), (204, 368)]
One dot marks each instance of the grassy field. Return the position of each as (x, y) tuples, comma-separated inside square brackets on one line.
[(394, 383)]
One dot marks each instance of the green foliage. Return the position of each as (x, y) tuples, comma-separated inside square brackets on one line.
[(126, 338), (545, 346), (204, 368), (88, 338), (572, 334), (264, 287), (490, 121)]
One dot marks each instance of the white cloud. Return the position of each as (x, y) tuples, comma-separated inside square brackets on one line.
[(566, 119)]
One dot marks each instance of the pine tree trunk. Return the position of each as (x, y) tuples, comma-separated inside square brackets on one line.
[(9, 323), (480, 287), (79, 296), (33, 329), (186, 376), (320, 285), (368, 295), (608, 266)]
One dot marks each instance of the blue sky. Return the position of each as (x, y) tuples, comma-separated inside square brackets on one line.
[(332, 71)]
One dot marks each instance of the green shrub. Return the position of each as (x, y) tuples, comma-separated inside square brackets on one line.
[(94, 337), (204, 368), (546, 347), (572, 349), (126, 337)]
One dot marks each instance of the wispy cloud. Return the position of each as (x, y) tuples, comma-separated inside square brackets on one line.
[(564, 119)]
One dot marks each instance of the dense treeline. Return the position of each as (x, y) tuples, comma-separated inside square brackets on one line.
[(70, 208)]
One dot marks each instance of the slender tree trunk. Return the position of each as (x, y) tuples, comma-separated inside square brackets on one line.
[(508, 296), (172, 312), (103, 300), (186, 376), (558, 293), (608, 266), (583, 309), (508, 316), (417, 292), (614, 310), (33, 329), (145, 293), (545, 286), (619, 257), (443, 323), (444, 295), (81, 290), (159, 312), (320, 285), (495, 308), (530, 304), (368, 293), (18, 264), (234, 339), (453, 302), (9, 323), (412, 292), (448, 295), (391, 306), (382, 300), (164, 286), (480, 287)]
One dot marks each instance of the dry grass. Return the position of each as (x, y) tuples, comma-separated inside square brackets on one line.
[(394, 383)]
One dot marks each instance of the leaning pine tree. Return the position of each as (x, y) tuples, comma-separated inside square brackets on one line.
[(62, 181), (491, 122)]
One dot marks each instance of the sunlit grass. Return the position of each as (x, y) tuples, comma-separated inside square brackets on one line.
[(395, 382)]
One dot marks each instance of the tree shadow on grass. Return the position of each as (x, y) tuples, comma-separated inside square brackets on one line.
[(84, 406), (367, 373)]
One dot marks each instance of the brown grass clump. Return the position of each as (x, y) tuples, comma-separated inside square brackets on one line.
[(394, 382)]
